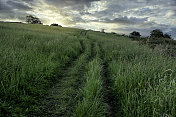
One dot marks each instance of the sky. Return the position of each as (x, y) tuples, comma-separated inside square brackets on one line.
[(120, 16)]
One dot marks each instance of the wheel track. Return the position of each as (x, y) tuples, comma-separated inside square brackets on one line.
[(55, 97), (108, 98), (61, 97)]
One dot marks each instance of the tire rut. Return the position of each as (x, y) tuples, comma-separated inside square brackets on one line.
[(106, 86), (59, 99)]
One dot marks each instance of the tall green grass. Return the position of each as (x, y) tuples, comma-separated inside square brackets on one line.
[(31, 57), (145, 87), (142, 81), (62, 96), (90, 100), (90, 103)]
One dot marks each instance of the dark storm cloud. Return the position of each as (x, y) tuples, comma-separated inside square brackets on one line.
[(127, 21), (9, 6), (18, 5), (144, 29), (172, 3), (143, 6), (3, 6), (28, 1), (70, 2), (5, 10), (14, 9)]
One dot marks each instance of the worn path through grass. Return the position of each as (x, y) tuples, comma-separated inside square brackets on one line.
[(61, 98)]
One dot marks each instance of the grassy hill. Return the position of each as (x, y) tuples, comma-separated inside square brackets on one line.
[(55, 71)]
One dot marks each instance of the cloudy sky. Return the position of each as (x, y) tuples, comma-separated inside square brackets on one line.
[(121, 16)]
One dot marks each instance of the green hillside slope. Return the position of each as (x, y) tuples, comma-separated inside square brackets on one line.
[(55, 71)]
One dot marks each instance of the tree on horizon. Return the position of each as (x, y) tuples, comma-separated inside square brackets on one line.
[(135, 34), (33, 20), (157, 33)]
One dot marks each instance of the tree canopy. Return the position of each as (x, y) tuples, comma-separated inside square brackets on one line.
[(157, 33), (33, 20), (167, 36), (54, 24), (135, 33)]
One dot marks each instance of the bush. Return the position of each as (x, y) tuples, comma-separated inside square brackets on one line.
[(54, 24)]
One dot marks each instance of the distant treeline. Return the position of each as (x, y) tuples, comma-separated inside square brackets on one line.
[(157, 40)]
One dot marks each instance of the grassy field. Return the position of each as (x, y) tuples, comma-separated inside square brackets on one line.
[(55, 71)]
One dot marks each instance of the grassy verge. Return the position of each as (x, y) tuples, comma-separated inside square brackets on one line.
[(90, 100), (142, 82), (90, 103)]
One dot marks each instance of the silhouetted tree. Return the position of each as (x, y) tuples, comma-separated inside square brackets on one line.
[(54, 24), (167, 36), (33, 20), (135, 34), (156, 33)]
